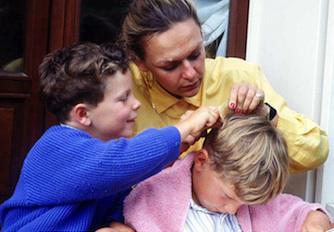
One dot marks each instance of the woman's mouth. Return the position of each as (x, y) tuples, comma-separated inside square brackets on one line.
[(192, 86)]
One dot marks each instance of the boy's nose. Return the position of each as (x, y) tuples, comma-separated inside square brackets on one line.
[(136, 104)]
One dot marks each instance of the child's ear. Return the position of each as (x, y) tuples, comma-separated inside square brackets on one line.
[(141, 64), (201, 159), (79, 114)]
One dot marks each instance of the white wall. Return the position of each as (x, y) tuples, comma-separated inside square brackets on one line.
[(291, 41), (325, 190)]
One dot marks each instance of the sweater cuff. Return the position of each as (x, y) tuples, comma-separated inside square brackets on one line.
[(173, 139)]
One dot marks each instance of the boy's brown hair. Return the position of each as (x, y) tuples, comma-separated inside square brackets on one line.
[(77, 74), (252, 155)]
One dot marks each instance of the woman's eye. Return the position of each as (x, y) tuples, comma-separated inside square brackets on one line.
[(194, 56), (170, 67)]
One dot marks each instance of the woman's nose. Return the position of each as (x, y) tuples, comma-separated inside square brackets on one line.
[(188, 71)]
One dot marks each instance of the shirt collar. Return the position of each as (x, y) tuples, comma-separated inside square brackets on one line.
[(194, 206), (162, 100)]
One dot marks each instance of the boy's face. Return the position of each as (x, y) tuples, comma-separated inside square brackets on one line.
[(115, 116), (210, 190)]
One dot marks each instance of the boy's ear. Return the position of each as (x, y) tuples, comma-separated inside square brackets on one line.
[(201, 159), (141, 64), (79, 114)]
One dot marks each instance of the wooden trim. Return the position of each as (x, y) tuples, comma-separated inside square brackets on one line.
[(72, 25), (65, 20), (15, 85), (36, 35), (6, 142), (237, 32), (9, 75), (64, 30), (37, 32), (57, 24)]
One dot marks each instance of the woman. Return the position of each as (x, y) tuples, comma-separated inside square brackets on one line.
[(171, 76)]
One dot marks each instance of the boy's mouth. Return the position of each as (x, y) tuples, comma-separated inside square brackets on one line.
[(133, 119)]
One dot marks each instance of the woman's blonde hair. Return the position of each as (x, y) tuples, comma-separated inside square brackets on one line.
[(148, 17), (252, 155)]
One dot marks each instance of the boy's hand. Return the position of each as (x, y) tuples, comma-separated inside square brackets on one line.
[(193, 123), (116, 227), (316, 221)]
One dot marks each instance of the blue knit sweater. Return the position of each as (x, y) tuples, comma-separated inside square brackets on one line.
[(73, 182)]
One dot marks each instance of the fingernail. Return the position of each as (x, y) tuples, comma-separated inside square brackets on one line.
[(238, 110), (232, 105)]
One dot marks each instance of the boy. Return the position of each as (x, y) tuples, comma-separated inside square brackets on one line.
[(232, 184), (76, 176)]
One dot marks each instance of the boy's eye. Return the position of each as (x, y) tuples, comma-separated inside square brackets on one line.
[(125, 97)]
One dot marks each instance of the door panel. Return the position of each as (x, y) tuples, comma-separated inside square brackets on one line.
[(21, 111), (6, 125)]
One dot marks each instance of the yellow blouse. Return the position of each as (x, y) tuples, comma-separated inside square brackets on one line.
[(307, 142)]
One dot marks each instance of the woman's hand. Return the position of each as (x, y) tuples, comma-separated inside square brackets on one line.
[(316, 221), (247, 99)]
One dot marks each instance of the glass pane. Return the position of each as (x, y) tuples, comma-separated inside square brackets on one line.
[(12, 19), (101, 20), (214, 18)]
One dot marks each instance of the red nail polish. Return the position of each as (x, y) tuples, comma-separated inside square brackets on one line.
[(238, 110), (232, 105)]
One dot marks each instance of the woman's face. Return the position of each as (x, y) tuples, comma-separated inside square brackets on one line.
[(176, 58)]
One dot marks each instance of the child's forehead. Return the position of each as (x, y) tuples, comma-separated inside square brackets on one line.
[(228, 188), (118, 80)]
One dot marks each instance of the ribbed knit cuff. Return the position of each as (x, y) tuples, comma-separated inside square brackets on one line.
[(173, 139)]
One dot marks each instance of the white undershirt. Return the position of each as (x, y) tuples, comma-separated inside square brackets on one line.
[(200, 219)]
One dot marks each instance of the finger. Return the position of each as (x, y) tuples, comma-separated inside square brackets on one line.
[(186, 115), (233, 97), (214, 116), (242, 93), (189, 140), (215, 111), (248, 99), (204, 133), (183, 147), (257, 100), (218, 124)]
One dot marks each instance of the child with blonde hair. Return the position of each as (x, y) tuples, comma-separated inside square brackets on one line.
[(233, 183), (77, 174)]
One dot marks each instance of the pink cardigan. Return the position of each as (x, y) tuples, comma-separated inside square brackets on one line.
[(161, 203)]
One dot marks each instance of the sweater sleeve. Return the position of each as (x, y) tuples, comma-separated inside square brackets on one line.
[(72, 166)]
